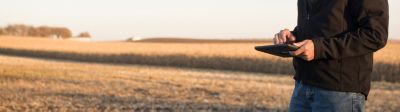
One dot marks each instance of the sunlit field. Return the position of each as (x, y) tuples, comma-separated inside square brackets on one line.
[(234, 56), (57, 75)]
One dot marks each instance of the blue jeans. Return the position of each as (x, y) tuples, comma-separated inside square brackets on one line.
[(307, 98)]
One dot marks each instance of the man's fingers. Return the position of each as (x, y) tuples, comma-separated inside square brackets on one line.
[(298, 52), (276, 40), (283, 36), (280, 37), (306, 50), (292, 38)]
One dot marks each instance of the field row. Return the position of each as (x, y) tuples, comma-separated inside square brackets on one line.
[(220, 56)]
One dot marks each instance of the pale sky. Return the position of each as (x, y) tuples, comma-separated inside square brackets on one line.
[(120, 19)]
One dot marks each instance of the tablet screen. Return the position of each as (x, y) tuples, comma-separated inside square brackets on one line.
[(281, 50)]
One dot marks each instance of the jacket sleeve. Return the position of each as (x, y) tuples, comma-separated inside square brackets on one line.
[(372, 18)]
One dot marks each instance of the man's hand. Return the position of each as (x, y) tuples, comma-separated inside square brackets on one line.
[(306, 50), (284, 37)]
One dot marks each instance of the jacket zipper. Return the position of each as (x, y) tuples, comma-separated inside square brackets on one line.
[(309, 9), (308, 17)]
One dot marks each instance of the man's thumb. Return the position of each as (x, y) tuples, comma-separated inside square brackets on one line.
[(292, 38), (299, 44)]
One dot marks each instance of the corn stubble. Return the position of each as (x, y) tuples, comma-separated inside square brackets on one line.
[(147, 76)]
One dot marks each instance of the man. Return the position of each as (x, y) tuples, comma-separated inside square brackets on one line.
[(337, 39)]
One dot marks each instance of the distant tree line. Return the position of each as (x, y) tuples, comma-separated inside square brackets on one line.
[(41, 31), (84, 34)]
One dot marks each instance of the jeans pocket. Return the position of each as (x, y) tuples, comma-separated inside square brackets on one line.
[(358, 102)]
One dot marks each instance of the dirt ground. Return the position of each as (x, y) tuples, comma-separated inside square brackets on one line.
[(54, 85)]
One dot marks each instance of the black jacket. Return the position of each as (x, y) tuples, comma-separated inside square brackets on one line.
[(345, 33)]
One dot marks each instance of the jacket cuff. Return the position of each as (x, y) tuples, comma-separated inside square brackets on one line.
[(294, 33), (318, 48)]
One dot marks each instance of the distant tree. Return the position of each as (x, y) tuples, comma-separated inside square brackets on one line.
[(18, 30), (44, 31), (11, 30), (2, 31), (84, 34), (41, 31), (34, 32), (62, 32)]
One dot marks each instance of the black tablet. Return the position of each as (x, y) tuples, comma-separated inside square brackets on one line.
[(281, 50)]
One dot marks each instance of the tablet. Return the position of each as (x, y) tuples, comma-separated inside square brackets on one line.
[(281, 50)]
